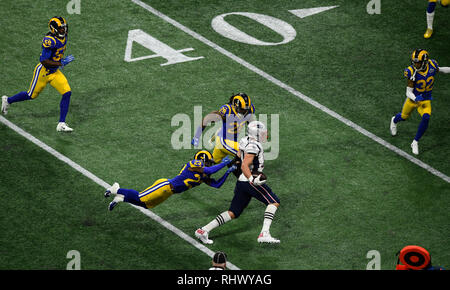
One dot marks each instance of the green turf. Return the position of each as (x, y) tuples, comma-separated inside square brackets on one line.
[(341, 193)]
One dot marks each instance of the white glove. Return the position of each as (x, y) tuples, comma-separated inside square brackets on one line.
[(256, 180)]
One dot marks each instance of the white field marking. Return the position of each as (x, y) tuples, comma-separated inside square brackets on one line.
[(293, 91), (102, 183)]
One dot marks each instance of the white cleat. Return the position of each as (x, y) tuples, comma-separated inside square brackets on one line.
[(112, 190), (393, 127), (202, 235), (415, 147), (5, 105), (265, 237), (63, 127)]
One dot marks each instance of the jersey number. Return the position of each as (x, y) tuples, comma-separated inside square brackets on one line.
[(59, 53), (423, 85), (188, 181)]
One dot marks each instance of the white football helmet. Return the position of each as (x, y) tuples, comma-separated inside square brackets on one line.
[(257, 130)]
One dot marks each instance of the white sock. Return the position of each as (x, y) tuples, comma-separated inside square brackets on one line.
[(269, 214), (218, 221), (119, 198), (430, 18)]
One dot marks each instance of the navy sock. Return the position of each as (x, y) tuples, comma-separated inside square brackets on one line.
[(64, 106), (422, 126), (22, 96), (398, 118), (431, 6), (131, 196)]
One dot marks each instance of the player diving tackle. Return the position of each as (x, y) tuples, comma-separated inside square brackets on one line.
[(194, 173)]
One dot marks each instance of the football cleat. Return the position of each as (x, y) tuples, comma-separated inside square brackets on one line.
[(112, 190), (265, 237), (428, 33), (415, 147), (63, 127), (393, 127), (112, 205), (5, 105), (202, 235)]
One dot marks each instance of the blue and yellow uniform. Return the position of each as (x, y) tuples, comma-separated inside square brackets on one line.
[(47, 71), (423, 86), (234, 115), (53, 49), (163, 188), (420, 77), (193, 173), (226, 140)]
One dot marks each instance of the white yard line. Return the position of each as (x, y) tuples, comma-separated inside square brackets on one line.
[(293, 91), (103, 184)]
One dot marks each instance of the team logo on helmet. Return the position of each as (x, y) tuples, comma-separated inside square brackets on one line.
[(421, 57), (241, 103), (58, 26), (205, 156)]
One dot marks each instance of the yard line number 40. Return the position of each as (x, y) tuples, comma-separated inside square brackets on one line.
[(221, 26)]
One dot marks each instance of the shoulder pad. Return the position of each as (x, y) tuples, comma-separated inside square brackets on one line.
[(409, 71), (252, 148), (196, 164), (225, 110), (434, 63), (48, 41)]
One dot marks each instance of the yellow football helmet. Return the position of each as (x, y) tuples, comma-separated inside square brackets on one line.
[(445, 2), (58, 26), (241, 103), (205, 156), (421, 57)]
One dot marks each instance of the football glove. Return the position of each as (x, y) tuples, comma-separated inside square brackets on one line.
[(227, 160), (232, 168), (194, 141), (256, 180), (65, 61), (419, 98)]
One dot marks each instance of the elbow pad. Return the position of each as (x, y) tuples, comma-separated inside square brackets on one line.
[(444, 69), (410, 94)]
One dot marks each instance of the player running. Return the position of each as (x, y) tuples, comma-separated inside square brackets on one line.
[(251, 183), (193, 173), (47, 72), (234, 116), (420, 74)]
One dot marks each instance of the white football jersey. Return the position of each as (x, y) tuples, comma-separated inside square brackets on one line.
[(249, 145)]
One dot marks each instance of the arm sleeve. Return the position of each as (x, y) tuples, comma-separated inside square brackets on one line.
[(410, 94), (214, 169), (444, 69), (220, 182)]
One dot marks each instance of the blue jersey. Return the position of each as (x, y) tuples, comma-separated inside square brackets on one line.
[(232, 122), (423, 81), (189, 176), (53, 49)]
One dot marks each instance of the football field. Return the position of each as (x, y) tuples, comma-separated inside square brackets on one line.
[(328, 81)]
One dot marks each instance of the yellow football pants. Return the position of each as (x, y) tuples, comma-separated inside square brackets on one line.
[(41, 78), (423, 107), (157, 193), (223, 148)]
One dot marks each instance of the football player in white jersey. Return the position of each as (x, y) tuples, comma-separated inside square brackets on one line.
[(251, 183)]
